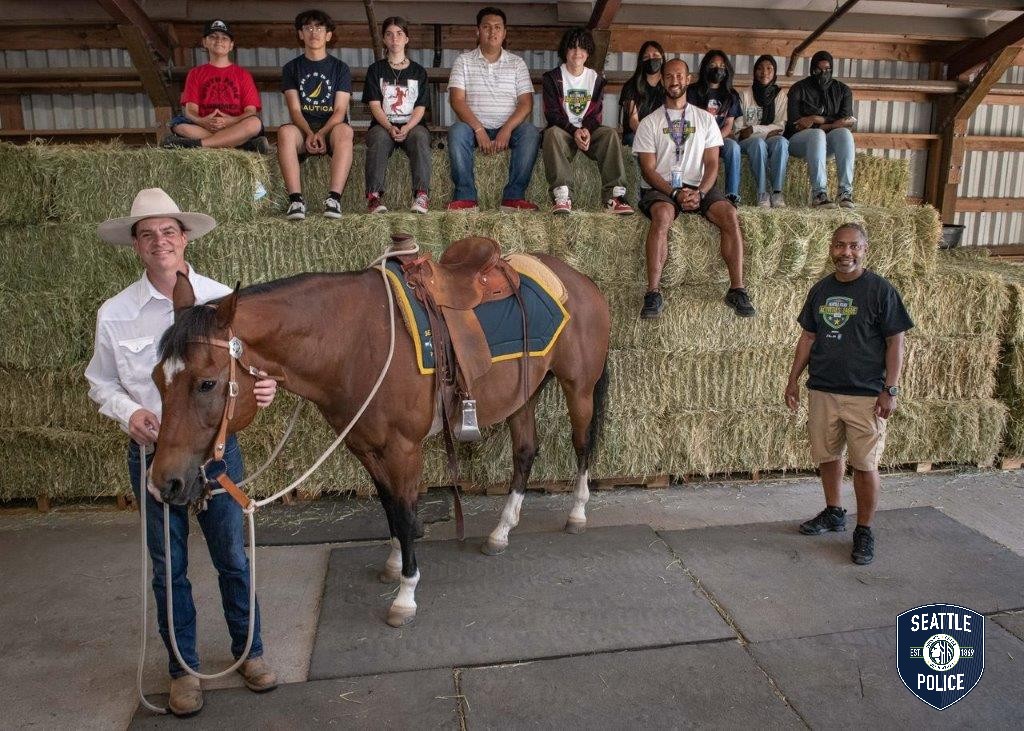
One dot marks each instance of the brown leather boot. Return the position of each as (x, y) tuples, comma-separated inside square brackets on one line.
[(258, 675), (186, 696)]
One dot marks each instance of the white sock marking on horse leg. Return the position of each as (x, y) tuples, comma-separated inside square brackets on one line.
[(394, 563), (509, 519), (581, 495), (406, 598), (172, 367)]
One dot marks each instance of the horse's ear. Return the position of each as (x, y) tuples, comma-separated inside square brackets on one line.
[(183, 296), (226, 308)]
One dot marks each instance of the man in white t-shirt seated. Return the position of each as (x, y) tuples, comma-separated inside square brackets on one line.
[(491, 93), (677, 146)]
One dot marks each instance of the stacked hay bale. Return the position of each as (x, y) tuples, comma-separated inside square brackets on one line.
[(697, 392)]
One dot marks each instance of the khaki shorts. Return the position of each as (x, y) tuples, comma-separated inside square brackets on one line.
[(835, 421)]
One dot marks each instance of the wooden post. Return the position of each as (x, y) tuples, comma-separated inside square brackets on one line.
[(153, 79), (839, 13), (43, 503), (376, 43), (11, 115), (599, 24)]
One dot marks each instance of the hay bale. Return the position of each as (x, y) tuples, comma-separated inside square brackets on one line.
[(877, 181), (44, 398), (61, 463), (91, 183), (24, 185)]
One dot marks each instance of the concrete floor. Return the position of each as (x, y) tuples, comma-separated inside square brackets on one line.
[(69, 610)]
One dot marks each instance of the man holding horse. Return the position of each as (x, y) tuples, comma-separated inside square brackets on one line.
[(120, 375)]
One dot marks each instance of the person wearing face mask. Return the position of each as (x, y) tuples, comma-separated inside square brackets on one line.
[(819, 124), (573, 97), (759, 131), (713, 92), (643, 93)]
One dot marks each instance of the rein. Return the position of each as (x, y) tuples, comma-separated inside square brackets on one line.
[(235, 349)]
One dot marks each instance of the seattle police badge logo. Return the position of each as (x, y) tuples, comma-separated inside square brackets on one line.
[(940, 652)]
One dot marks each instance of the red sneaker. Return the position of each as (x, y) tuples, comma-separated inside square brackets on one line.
[(462, 206), (618, 206), (517, 205), (375, 204)]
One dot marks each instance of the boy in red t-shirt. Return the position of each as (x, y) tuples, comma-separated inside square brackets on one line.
[(220, 103)]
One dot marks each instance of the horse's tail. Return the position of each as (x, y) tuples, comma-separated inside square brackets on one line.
[(596, 427)]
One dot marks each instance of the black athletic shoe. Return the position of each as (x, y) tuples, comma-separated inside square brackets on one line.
[(833, 519), (739, 300), (863, 546), (173, 140), (653, 305)]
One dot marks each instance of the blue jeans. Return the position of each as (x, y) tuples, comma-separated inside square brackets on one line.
[(768, 161), (816, 146), (731, 163), (223, 526), (524, 145)]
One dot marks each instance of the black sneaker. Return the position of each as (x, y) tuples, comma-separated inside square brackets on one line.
[(173, 140), (653, 305), (740, 301), (821, 200), (833, 519), (734, 199), (863, 546)]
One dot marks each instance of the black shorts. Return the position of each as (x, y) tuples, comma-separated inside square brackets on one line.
[(327, 141), (650, 196)]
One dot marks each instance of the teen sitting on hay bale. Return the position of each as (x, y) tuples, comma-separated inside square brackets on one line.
[(220, 103)]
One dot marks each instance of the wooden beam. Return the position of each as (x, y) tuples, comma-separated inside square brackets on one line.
[(11, 115), (979, 51), (604, 14), (86, 36), (376, 42), (1013, 251), (892, 141), (979, 87), (155, 83), (990, 205), (995, 144), (839, 13), (128, 12)]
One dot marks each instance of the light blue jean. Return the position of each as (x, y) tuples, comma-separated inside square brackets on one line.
[(523, 145), (731, 163), (768, 161), (816, 147), (223, 527)]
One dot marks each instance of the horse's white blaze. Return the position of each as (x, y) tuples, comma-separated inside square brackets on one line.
[(580, 497), (172, 367), (509, 519), (394, 563), (406, 598)]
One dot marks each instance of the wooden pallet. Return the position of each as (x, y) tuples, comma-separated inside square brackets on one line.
[(1011, 463)]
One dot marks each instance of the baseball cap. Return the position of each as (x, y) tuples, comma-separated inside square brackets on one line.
[(217, 26)]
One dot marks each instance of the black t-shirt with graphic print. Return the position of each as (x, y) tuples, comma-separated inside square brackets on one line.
[(851, 321), (399, 92), (317, 82)]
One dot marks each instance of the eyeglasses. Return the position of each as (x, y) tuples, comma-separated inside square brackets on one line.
[(314, 28)]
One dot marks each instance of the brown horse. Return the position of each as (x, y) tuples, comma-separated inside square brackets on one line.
[(328, 336)]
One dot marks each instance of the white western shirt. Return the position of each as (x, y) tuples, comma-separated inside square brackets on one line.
[(492, 89), (128, 330)]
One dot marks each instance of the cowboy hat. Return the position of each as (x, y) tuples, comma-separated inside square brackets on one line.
[(154, 203)]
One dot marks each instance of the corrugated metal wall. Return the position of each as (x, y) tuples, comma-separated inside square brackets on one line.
[(987, 173)]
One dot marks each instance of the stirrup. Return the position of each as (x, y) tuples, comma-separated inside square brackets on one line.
[(467, 430)]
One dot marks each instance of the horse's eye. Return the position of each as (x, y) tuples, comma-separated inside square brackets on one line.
[(206, 386)]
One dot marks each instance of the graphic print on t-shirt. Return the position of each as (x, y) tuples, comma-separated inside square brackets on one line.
[(316, 93), (577, 100), (220, 92), (399, 99), (836, 312)]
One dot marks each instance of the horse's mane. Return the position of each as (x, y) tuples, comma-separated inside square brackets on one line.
[(199, 322)]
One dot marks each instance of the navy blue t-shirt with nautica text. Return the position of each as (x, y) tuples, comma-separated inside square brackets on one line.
[(317, 82), (850, 321)]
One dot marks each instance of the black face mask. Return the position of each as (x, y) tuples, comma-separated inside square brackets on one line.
[(652, 65), (823, 78), (716, 75)]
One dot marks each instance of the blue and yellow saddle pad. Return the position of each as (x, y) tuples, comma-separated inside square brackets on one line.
[(501, 321)]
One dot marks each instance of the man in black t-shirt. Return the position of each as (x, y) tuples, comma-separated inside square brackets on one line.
[(317, 87), (852, 344)]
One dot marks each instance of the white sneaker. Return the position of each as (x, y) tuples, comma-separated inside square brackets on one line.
[(562, 203), (421, 203), (296, 211), (764, 200), (778, 200), (332, 208)]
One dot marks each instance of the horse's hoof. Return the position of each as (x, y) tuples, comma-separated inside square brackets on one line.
[(401, 616), (575, 526), (492, 549), (388, 577)]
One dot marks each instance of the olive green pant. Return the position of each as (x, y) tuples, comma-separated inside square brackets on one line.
[(605, 149)]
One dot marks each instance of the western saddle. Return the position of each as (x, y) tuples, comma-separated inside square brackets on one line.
[(470, 272)]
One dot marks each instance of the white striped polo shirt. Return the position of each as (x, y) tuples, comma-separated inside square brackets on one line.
[(492, 89)]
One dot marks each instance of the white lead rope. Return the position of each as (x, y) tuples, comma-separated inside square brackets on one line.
[(143, 481)]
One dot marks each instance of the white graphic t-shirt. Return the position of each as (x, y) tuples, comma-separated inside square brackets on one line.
[(699, 132), (578, 92), (399, 99)]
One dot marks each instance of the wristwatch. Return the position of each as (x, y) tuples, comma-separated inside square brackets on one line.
[(893, 391)]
